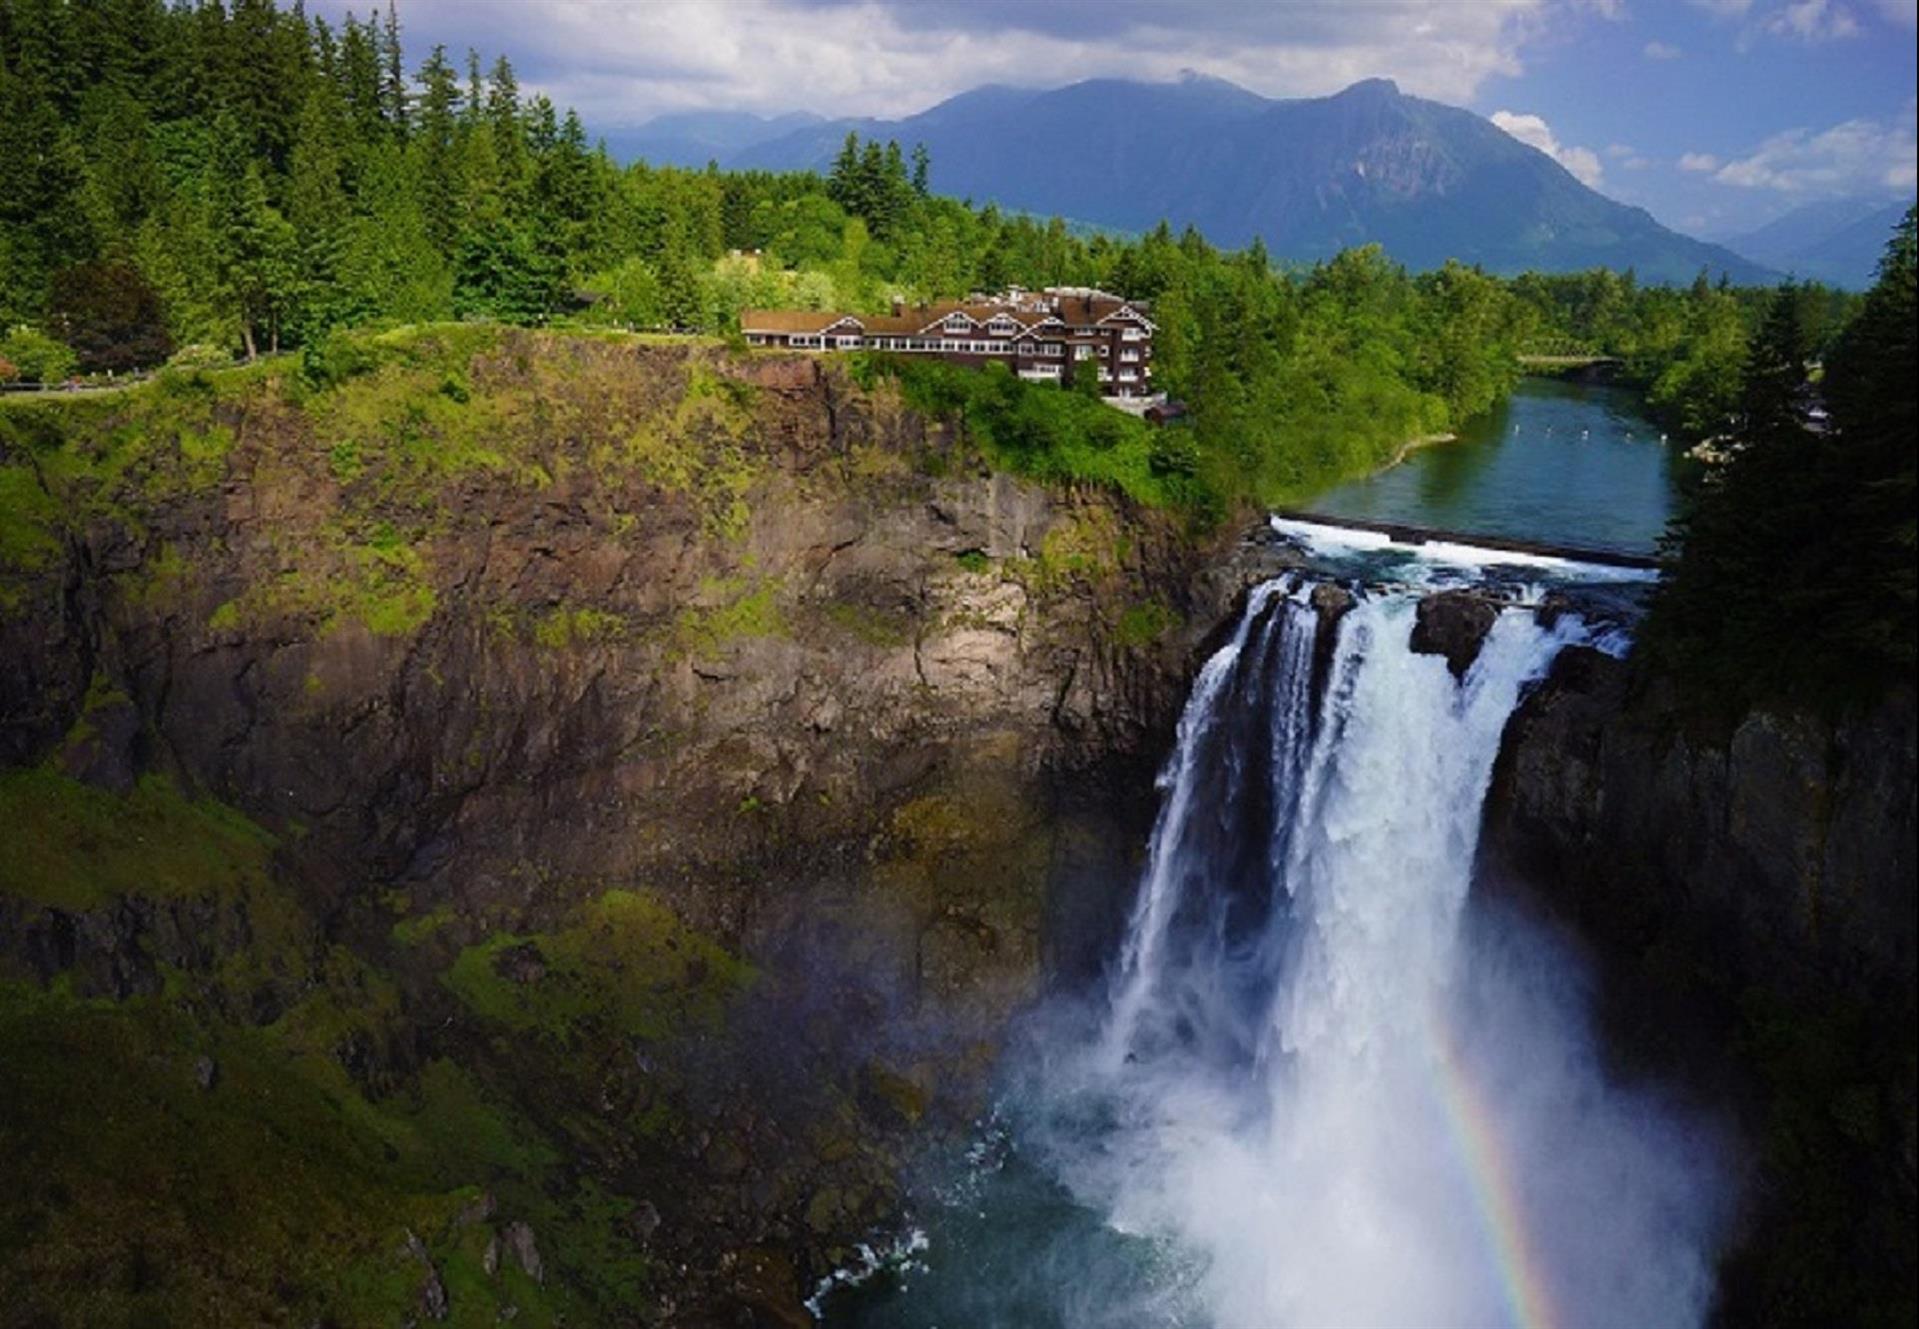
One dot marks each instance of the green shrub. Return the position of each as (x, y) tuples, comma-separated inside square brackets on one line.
[(36, 357)]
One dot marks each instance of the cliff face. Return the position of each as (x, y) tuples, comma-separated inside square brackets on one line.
[(1789, 838), (682, 761), (1748, 894)]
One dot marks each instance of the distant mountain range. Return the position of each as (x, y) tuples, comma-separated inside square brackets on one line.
[(1311, 176), (694, 138), (1836, 241)]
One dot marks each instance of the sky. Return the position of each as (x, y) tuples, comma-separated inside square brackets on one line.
[(1715, 115)]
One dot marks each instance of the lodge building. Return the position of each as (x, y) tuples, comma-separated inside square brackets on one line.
[(1052, 335)]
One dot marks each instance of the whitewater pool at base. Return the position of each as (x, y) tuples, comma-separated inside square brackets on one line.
[(1558, 462)]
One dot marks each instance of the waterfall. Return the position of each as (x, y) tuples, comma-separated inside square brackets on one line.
[(1324, 1089), (1309, 1075)]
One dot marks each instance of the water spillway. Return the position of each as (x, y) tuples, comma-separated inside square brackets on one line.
[(1321, 1090)]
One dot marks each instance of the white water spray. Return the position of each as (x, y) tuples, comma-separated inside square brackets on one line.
[(1353, 1109)]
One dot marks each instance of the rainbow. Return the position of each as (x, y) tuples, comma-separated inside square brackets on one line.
[(1489, 1173)]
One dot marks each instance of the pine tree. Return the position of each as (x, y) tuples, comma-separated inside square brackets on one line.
[(393, 98), (509, 134), (435, 125), (318, 207), (843, 183), (359, 77)]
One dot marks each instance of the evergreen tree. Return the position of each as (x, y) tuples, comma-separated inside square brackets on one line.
[(503, 117), (435, 126), (393, 94)]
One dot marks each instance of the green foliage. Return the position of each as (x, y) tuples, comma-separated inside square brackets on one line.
[(110, 315), (1035, 429), (36, 357), (1794, 572)]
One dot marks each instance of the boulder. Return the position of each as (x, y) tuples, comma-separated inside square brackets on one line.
[(517, 1237), (1453, 624)]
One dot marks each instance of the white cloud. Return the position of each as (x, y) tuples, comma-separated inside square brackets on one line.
[(1699, 162), (1903, 12), (1535, 133), (1813, 21), (1627, 156), (619, 64), (1662, 51), (1857, 157)]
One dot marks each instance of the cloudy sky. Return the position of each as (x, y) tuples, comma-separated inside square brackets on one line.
[(1715, 114)]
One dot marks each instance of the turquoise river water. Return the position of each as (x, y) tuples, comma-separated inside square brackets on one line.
[(1563, 463)]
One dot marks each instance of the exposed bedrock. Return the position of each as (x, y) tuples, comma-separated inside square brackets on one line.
[(737, 637)]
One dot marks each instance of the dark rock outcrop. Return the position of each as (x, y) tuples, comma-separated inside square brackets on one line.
[(1788, 839), (1454, 624)]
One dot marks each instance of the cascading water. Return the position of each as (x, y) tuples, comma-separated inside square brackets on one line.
[(1319, 1093)]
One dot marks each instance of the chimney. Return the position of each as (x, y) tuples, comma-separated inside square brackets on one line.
[(899, 305)]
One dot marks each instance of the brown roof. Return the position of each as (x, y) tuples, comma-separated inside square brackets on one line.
[(915, 320), (789, 320)]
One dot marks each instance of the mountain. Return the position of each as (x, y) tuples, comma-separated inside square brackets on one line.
[(1311, 176), (694, 138), (1837, 241)]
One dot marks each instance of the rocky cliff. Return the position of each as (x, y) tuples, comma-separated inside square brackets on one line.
[(506, 820), (1748, 892)]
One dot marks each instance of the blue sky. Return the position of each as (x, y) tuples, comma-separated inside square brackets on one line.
[(1717, 115)]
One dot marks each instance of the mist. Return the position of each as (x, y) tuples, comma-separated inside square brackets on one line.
[(1325, 1087)]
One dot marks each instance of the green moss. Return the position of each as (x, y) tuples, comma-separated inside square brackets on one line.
[(875, 627), (412, 931), (973, 560), (138, 1196), (1143, 624), (158, 582), (394, 608), (563, 627), (29, 520), (382, 584), (741, 613), (282, 1191), (75, 846), (626, 965)]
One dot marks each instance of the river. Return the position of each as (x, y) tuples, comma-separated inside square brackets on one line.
[(1559, 462)]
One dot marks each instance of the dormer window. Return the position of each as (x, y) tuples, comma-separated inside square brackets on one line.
[(958, 323), (1005, 327)]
